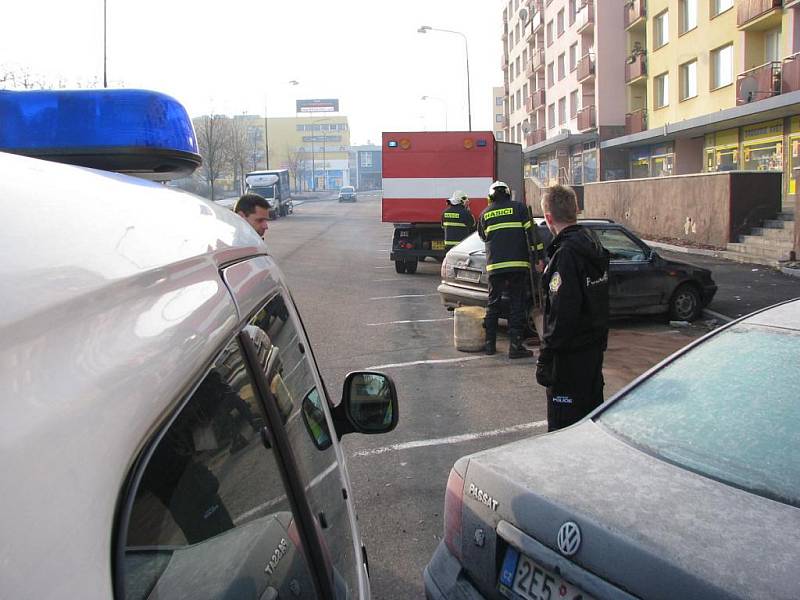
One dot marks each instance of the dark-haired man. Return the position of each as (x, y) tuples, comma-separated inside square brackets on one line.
[(575, 281), (255, 210)]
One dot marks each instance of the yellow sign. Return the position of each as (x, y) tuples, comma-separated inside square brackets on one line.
[(763, 131), (729, 137), (794, 126)]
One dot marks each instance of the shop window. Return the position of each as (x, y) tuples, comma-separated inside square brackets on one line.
[(590, 166), (764, 156), (640, 166), (662, 165), (576, 168), (726, 159)]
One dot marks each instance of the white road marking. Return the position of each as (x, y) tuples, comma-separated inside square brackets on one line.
[(381, 267), (382, 280), (454, 439), (405, 322), (439, 361), (402, 296)]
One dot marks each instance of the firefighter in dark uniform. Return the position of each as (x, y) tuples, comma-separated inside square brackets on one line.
[(506, 228), (570, 363), (457, 220)]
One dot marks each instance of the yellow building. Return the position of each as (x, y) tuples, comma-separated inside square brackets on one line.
[(315, 144), (712, 85)]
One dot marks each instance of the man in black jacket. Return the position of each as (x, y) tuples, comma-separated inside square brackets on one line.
[(570, 362), (457, 220), (506, 228)]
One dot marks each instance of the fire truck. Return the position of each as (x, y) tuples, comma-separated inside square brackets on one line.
[(422, 169)]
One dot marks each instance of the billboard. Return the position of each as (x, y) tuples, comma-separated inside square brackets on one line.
[(318, 105)]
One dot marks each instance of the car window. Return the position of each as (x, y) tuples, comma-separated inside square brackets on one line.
[(472, 243), (210, 516), (728, 408), (291, 377), (620, 245)]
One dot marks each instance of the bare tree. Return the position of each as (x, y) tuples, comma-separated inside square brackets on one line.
[(295, 161), (213, 133), (238, 151), (255, 147)]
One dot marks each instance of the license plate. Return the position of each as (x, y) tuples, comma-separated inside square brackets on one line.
[(530, 581), (472, 276), (437, 245)]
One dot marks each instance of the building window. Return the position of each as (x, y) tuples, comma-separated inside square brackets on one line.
[(573, 56), (511, 101), (722, 66), (551, 116), (498, 118), (562, 111), (688, 80), (525, 91), (688, 16), (498, 101), (560, 22), (573, 10), (519, 70), (562, 70), (499, 136), (772, 45), (516, 33), (300, 127), (661, 85), (573, 104), (366, 158), (720, 6), (661, 29), (550, 74), (550, 33), (519, 99)]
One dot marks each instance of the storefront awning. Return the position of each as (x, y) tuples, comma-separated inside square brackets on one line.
[(776, 107), (558, 142)]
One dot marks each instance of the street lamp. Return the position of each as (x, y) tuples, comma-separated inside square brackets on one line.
[(266, 126), (426, 29), (444, 102), (105, 45)]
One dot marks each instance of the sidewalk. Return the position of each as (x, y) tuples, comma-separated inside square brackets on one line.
[(742, 287)]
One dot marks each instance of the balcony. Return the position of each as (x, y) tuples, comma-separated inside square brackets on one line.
[(585, 67), (504, 62), (586, 118), (761, 82), (790, 74), (529, 70), (538, 99), (585, 17), (537, 21), (635, 14), (537, 59), (535, 137), (752, 13), (636, 121), (635, 68)]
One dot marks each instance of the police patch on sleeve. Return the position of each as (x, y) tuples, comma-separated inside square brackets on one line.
[(555, 282)]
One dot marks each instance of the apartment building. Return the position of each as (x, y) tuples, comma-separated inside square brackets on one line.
[(562, 65), (499, 119), (712, 85)]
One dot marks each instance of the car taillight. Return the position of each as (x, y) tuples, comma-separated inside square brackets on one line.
[(453, 499)]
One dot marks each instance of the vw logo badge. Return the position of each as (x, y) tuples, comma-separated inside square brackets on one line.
[(569, 538)]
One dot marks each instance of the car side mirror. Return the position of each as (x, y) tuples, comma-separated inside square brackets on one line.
[(369, 404), (653, 256)]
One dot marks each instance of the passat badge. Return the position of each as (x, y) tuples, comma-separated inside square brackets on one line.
[(555, 282)]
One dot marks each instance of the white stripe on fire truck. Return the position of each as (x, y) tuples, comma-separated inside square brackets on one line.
[(435, 187)]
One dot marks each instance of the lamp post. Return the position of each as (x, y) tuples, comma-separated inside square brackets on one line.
[(426, 29), (266, 126), (444, 102), (105, 44)]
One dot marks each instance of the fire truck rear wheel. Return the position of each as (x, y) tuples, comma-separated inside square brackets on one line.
[(411, 267), (400, 266)]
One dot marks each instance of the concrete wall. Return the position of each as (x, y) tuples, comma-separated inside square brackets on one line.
[(706, 209)]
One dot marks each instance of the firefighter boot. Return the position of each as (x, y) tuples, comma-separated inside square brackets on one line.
[(491, 338), (516, 349)]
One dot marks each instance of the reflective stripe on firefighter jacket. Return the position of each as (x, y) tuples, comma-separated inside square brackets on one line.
[(506, 228), (458, 223)]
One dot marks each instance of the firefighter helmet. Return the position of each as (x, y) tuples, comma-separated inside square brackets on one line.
[(457, 198), (499, 185)]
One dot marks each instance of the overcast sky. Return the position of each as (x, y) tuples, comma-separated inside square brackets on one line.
[(227, 56)]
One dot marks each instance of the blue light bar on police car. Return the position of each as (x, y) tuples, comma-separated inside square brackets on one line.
[(139, 132)]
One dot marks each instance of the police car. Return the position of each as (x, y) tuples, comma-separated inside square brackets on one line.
[(165, 429)]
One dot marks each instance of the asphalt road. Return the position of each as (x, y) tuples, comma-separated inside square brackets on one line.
[(360, 314)]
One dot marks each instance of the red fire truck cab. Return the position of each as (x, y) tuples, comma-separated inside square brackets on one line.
[(422, 169)]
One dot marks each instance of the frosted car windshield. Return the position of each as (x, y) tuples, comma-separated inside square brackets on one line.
[(727, 409)]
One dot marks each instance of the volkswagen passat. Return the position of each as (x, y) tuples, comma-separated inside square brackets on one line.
[(686, 484), (640, 280)]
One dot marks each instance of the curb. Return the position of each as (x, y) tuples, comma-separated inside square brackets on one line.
[(684, 249), (790, 271), (715, 315)]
